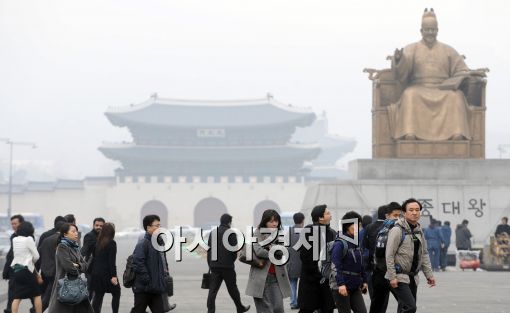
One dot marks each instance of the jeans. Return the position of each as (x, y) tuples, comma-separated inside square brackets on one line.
[(434, 251), (293, 291), (406, 295), (217, 277)]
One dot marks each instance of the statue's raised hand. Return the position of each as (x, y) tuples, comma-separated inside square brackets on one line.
[(398, 54)]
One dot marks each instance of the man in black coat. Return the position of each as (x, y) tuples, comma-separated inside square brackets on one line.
[(369, 240), (8, 272), (380, 286), (313, 288), (149, 264), (46, 263), (89, 245), (90, 239), (58, 220), (222, 267)]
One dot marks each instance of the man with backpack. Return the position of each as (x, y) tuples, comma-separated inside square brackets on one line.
[(150, 268), (375, 241), (368, 243), (406, 255)]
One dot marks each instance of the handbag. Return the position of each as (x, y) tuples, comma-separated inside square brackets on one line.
[(206, 280), (169, 285), (255, 261), (72, 291)]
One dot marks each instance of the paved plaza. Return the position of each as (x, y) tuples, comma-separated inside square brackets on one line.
[(456, 292)]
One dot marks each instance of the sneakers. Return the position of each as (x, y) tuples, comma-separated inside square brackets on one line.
[(294, 307)]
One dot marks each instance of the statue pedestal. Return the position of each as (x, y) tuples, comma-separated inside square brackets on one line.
[(421, 149), (431, 169)]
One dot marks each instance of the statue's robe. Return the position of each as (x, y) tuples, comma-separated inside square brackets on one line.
[(424, 110)]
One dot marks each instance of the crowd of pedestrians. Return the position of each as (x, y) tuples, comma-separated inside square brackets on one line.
[(384, 256), (380, 257), (39, 273)]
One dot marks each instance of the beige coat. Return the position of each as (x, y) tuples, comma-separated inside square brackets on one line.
[(402, 254), (257, 278)]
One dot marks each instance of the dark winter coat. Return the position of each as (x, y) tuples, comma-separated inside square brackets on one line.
[(502, 228), (446, 231), (8, 271), (370, 240), (150, 268), (463, 237), (317, 295), (89, 244), (47, 251), (294, 264), (45, 235), (65, 257), (104, 267), (225, 258), (350, 270)]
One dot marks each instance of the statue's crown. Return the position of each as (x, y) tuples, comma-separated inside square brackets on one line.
[(429, 13)]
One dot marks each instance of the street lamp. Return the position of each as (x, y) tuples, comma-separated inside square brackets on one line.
[(11, 146)]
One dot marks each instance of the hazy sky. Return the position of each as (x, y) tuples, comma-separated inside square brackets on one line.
[(62, 63)]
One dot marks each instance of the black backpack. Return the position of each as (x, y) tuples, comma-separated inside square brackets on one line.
[(128, 278), (381, 242)]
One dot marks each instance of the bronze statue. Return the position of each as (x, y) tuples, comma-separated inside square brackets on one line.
[(432, 106)]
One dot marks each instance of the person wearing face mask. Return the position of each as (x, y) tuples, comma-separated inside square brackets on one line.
[(70, 262), (348, 278), (270, 284), (406, 258)]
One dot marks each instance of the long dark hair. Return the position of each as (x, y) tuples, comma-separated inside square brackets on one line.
[(105, 236), (269, 215)]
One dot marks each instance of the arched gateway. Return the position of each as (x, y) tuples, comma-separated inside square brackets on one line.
[(208, 212), (155, 207)]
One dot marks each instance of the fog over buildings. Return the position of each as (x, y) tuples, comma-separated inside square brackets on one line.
[(64, 63)]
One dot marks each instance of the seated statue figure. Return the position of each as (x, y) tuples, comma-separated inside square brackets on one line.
[(431, 106)]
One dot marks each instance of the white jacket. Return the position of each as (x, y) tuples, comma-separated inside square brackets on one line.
[(25, 252)]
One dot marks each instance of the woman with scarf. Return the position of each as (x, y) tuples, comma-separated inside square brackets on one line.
[(270, 284), (69, 262)]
